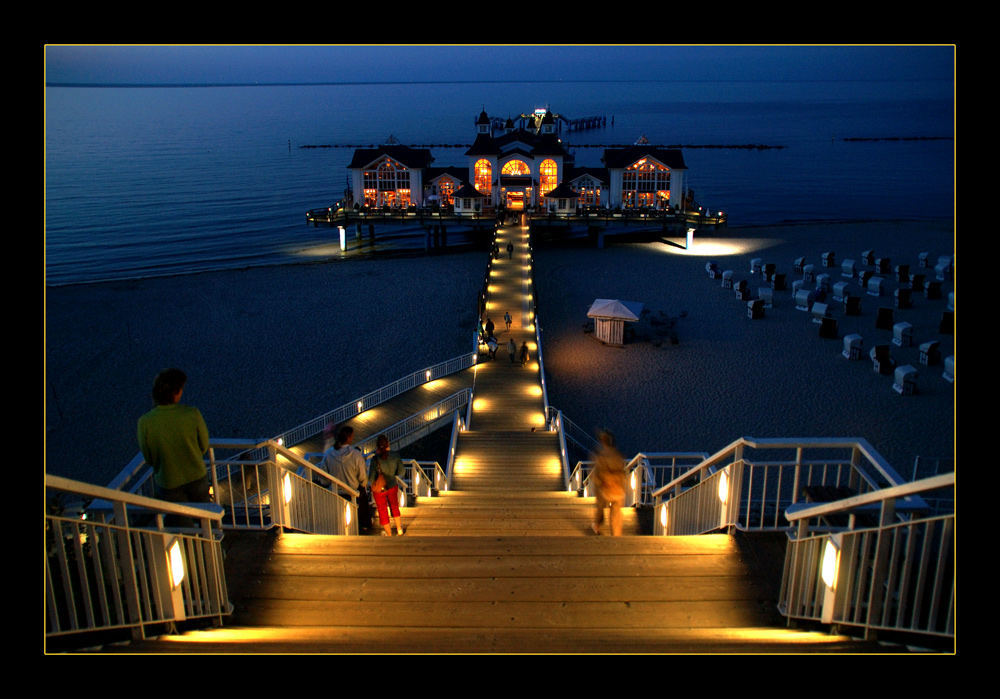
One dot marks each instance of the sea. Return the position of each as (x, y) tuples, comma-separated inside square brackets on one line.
[(144, 181)]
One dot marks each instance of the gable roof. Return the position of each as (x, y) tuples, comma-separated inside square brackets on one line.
[(410, 157), (623, 157), (613, 308)]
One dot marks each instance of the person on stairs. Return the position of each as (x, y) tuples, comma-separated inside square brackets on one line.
[(382, 473), (608, 477), (346, 463)]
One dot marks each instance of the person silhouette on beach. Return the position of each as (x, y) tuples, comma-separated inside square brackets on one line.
[(524, 353)]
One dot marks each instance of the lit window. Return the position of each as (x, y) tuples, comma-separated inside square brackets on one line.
[(516, 167), (547, 176), (646, 183), (484, 176)]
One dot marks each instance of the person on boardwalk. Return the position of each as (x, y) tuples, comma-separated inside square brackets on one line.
[(173, 439), (512, 349), (524, 353), (507, 319), (608, 478), (510, 251), (493, 345), (489, 326), (346, 463), (387, 466)]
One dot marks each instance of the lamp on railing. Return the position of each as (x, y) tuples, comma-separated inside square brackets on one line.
[(829, 567), (723, 487), (831, 558), (663, 517), (347, 514), (286, 486), (175, 563)]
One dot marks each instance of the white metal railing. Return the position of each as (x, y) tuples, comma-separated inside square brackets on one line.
[(420, 424), (132, 476), (737, 487), (279, 489), (376, 397), (890, 568), (646, 473), (111, 562)]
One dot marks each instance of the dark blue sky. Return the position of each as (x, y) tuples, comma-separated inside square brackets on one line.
[(241, 64)]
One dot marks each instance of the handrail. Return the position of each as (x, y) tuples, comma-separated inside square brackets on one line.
[(883, 573), (134, 572), (782, 443), (405, 427), (753, 495), (803, 511), (316, 425)]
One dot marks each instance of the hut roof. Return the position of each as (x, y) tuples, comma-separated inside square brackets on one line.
[(613, 308)]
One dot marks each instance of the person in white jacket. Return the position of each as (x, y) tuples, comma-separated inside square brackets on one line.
[(347, 464)]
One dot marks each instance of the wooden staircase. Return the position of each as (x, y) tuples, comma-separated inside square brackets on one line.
[(504, 561)]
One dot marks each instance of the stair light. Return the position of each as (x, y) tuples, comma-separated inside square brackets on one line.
[(632, 480), (663, 516), (347, 514), (286, 485), (427, 375), (359, 406), (723, 487), (175, 561), (831, 558)]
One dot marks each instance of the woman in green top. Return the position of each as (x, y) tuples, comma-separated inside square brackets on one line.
[(389, 467)]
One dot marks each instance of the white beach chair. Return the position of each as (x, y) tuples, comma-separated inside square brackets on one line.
[(868, 257), (828, 259), (853, 345), (905, 380), (823, 282), (848, 268), (804, 299), (875, 286), (840, 291), (819, 312), (727, 279), (949, 369), (930, 353), (766, 295), (902, 334), (924, 260), (808, 273)]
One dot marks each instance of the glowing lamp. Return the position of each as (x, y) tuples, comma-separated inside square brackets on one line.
[(663, 516), (175, 563), (632, 480), (347, 515), (359, 406), (831, 556), (286, 485), (723, 487), (343, 238), (427, 375)]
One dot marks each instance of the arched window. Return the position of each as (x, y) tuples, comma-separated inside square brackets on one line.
[(646, 183), (515, 167), (483, 173), (548, 177), (388, 184)]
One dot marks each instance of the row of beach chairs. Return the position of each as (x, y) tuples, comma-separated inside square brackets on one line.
[(814, 301)]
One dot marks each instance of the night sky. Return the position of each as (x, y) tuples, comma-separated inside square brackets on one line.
[(267, 64)]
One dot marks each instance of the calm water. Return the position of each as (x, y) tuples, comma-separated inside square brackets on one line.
[(151, 181)]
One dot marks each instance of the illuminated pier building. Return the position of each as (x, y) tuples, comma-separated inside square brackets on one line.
[(523, 167)]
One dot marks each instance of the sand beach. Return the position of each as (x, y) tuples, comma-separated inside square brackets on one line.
[(269, 348)]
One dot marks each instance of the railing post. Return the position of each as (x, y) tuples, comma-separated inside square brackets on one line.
[(798, 473), (129, 578), (876, 596)]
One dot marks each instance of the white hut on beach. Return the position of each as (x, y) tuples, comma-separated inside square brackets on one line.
[(610, 316)]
